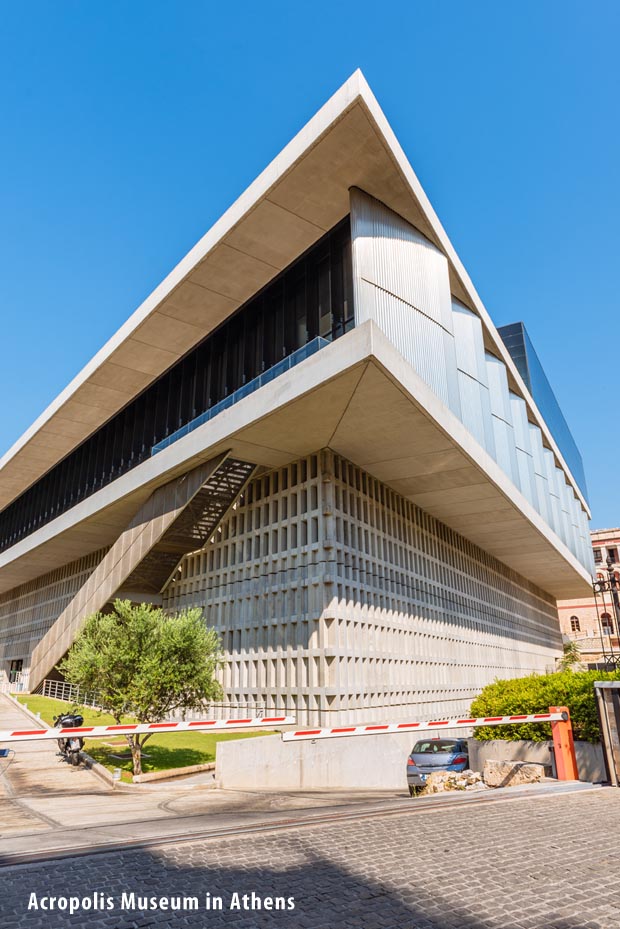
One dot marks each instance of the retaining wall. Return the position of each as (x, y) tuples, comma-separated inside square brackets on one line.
[(267, 763), (590, 763), (367, 762)]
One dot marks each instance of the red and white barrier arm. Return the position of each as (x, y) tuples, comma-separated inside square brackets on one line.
[(391, 728), (98, 732)]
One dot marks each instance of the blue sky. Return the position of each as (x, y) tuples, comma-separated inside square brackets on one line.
[(128, 128)]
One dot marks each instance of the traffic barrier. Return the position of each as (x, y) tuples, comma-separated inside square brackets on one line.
[(558, 716), (96, 732), (387, 728), (564, 746)]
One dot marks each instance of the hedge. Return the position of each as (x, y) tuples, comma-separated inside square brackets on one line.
[(535, 694)]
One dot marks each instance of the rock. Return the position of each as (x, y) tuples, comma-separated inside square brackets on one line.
[(512, 773), (441, 781)]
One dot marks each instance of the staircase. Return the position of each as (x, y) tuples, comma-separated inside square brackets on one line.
[(192, 528), (178, 518)]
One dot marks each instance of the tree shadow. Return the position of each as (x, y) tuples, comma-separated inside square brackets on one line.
[(325, 893)]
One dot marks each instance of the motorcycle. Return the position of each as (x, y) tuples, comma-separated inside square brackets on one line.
[(71, 746)]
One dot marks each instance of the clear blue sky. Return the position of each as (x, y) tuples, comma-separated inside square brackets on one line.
[(128, 128)]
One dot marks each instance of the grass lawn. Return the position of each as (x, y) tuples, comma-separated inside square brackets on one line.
[(164, 750)]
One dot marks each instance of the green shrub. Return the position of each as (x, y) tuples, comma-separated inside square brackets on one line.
[(535, 694)]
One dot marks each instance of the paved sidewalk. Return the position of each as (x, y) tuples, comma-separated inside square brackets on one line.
[(544, 863), (34, 769), (47, 805)]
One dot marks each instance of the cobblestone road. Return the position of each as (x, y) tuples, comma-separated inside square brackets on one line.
[(545, 863)]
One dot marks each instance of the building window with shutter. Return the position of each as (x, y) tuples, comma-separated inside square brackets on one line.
[(607, 624)]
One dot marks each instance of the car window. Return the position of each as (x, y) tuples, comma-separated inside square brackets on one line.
[(432, 746)]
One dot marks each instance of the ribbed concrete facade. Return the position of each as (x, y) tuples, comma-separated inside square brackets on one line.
[(337, 599), (28, 612)]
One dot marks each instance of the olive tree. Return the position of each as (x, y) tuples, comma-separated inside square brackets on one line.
[(146, 662), (571, 657)]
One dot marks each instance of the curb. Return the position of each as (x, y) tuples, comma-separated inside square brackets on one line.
[(173, 772)]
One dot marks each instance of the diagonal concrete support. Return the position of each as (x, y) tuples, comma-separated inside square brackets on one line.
[(176, 519)]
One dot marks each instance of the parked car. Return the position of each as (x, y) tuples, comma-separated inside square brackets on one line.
[(430, 755)]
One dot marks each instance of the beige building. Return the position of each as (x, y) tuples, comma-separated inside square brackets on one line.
[(312, 429), (592, 621)]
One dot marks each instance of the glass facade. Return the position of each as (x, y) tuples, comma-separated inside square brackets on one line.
[(312, 299), (519, 344)]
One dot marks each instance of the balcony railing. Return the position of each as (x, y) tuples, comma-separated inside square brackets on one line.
[(275, 371)]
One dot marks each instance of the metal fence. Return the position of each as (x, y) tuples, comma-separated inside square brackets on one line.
[(70, 693), (16, 683), (221, 711)]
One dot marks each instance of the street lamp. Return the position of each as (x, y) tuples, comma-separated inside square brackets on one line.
[(613, 586), (601, 586), (598, 587)]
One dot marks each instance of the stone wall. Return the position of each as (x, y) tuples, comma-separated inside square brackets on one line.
[(590, 761)]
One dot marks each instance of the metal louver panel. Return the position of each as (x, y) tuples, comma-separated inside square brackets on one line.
[(474, 396), (505, 448), (525, 460), (469, 341), (575, 509), (540, 473), (566, 496), (401, 281), (393, 255), (586, 542), (476, 411), (554, 494)]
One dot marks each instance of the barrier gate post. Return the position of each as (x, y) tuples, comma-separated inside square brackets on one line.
[(564, 746)]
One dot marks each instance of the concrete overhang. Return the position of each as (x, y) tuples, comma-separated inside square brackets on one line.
[(361, 398), (302, 194)]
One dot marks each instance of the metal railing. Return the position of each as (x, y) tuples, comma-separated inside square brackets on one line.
[(70, 693), (222, 711), (15, 683), (285, 365)]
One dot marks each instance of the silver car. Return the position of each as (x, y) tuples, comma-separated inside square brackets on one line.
[(430, 755)]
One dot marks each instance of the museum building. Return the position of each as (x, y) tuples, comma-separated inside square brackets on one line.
[(313, 430)]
